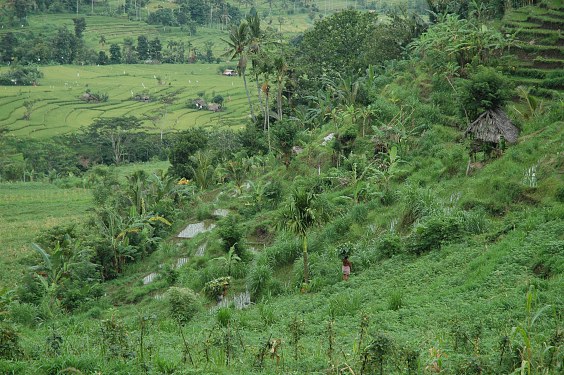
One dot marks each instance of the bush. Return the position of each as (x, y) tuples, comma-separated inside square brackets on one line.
[(231, 234), (284, 251), (433, 232), (259, 280), (217, 99), (388, 244), (24, 313), (183, 304), (21, 76), (9, 343), (485, 89)]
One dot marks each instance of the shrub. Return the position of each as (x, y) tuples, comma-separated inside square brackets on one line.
[(395, 300), (24, 313), (9, 342), (259, 280), (433, 232), (388, 244), (559, 195), (283, 252), (485, 89), (183, 304), (231, 234), (21, 76), (217, 99), (203, 212), (114, 341)]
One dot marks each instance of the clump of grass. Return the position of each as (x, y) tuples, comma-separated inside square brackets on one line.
[(395, 300)]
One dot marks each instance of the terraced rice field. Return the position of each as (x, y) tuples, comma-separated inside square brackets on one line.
[(59, 109), (28, 208)]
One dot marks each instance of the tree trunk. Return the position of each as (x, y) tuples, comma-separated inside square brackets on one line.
[(248, 97)]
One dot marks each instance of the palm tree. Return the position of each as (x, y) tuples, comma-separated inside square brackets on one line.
[(255, 41), (304, 211), (237, 44)]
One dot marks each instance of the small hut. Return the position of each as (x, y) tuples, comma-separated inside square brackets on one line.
[(491, 131)]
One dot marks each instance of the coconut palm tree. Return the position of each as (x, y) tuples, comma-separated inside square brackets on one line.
[(237, 47), (304, 211)]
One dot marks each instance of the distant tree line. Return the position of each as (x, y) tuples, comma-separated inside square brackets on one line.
[(67, 47)]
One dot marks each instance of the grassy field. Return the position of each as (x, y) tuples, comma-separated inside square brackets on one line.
[(28, 208), (25, 210), (60, 110)]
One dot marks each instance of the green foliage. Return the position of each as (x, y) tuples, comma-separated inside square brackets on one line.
[(21, 76), (433, 232), (231, 234), (10, 347), (259, 280), (388, 244), (115, 340), (217, 287), (224, 316), (377, 353), (185, 146), (395, 300), (25, 314), (183, 304), (448, 46), (322, 50), (345, 250), (483, 90)]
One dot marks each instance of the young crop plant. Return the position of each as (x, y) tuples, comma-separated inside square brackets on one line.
[(183, 305)]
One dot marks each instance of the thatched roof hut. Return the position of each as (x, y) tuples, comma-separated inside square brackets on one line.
[(493, 125)]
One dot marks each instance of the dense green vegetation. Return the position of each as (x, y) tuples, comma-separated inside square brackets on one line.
[(347, 140)]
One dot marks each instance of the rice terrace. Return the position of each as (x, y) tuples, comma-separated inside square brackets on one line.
[(282, 187), (132, 90)]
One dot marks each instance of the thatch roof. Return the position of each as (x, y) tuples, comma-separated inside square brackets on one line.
[(491, 126)]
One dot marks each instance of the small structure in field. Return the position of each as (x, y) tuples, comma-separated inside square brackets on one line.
[(214, 107), (200, 103), (229, 72), (491, 131), (142, 98)]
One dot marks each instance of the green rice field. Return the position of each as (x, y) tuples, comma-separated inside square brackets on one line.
[(27, 208), (59, 109)]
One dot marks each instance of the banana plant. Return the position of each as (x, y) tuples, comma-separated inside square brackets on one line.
[(229, 260)]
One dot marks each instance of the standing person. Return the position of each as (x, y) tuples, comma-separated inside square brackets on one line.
[(346, 268)]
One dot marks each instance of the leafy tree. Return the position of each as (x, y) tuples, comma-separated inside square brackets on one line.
[(115, 54), (328, 46), (142, 47), (185, 146), (129, 52), (116, 132), (165, 17), (155, 49), (102, 58), (486, 89), (304, 211), (20, 9), (21, 76), (79, 26), (285, 133), (8, 43), (65, 46)]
